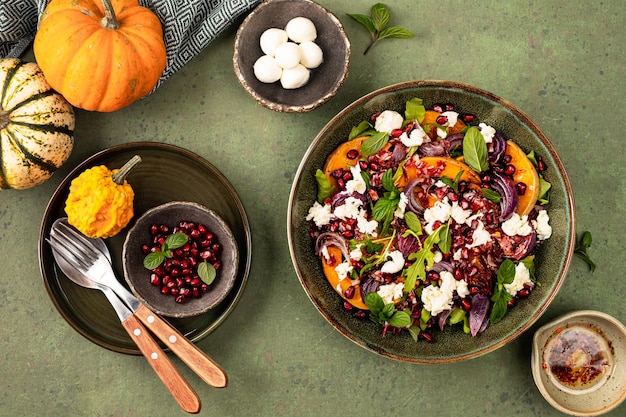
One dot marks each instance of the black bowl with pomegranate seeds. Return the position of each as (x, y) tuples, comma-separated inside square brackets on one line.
[(180, 259)]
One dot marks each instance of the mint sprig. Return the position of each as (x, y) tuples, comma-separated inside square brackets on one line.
[(382, 313), (580, 250), (475, 150), (173, 241), (501, 298), (377, 23)]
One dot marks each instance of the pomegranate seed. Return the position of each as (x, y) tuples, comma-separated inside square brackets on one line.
[(347, 306), (541, 165), (180, 299), (352, 154), (449, 106), (349, 292), (337, 173), (202, 229), (347, 176), (395, 133), (521, 188), (360, 314), (165, 290), (154, 229), (523, 293), (468, 118), (155, 279), (511, 303), (441, 120), (466, 304), (507, 159), (427, 336), (510, 169), (217, 264), (438, 108)]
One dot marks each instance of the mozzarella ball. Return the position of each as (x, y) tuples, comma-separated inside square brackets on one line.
[(267, 70), (301, 29), (272, 39), (287, 55), (311, 55), (295, 77)]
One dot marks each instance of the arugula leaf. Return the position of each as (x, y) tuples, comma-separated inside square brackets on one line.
[(374, 143), (377, 23), (475, 150), (325, 189), (580, 250), (415, 110)]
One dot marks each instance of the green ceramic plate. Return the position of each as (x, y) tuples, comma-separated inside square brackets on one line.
[(88, 311), (552, 260)]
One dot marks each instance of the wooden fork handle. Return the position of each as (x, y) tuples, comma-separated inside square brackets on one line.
[(176, 384), (197, 360)]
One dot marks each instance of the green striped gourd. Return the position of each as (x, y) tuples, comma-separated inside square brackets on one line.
[(36, 126)]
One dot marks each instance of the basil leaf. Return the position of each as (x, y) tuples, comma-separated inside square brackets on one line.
[(412, 222), (395, 32), (491, 195), (475, 150), (153, 260), (380, 16), (580, 250), (325, 188), (544, 189), (387, 181), (500, 305), (374, 143), (445, 238), (374, 302), (359, 129), (506, 272), (415, 110), (176, 240), (206, 272), (400, 319)]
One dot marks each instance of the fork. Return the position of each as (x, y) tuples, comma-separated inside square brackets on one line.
[(93, 263)]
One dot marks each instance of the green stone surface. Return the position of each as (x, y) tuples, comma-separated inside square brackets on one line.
[(561, 62)]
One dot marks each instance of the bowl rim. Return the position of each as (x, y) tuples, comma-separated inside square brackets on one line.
[(444, 84), (542, 335), (225, 231), (280, 107)]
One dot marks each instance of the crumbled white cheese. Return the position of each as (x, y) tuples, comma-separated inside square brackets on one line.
[(395, 264), (480, 236), (458, 214), (349, 209), (357, 183), (516, 225), (367, 227), (404, 200), (343, 269), (356, 253), (415, 138), (391, 292), (320, 214), (487, 131), (522, 276), (452, 116), (542, 227), (439, 212), (388, 120), (438, 256), (442, 133), (437, 299)]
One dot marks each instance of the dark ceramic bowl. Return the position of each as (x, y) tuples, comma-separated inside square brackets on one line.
[(138, 277), (552, 259), (325, 80)]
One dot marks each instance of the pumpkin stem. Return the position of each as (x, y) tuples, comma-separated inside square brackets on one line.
[(4, 118), (109, 21), (120, 175)]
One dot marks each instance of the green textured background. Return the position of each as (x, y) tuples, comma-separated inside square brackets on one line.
[(561, 62)]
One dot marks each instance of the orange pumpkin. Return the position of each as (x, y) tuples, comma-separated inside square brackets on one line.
[(101, 55)]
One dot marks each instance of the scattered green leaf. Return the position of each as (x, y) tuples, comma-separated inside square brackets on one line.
[(206, 272), (374, 143), (415, 110), (377, 23), (580, 250), (491, 195), (325, 189), (173, 241), (382, 313), (475, 150), (501, 298)]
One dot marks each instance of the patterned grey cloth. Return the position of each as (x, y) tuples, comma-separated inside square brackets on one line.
[(188, 25)]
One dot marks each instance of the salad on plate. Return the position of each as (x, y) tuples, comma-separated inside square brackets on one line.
[(430, 219)]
